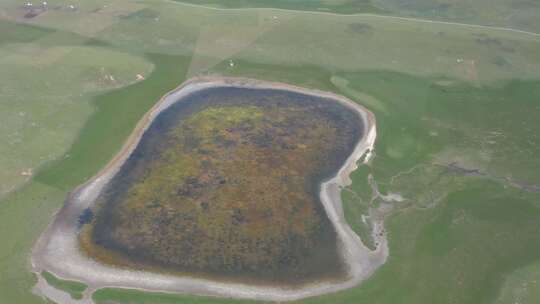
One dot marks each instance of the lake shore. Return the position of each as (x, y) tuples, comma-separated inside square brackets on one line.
[(57, 249)]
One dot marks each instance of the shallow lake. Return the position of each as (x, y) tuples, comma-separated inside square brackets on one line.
[(225, 184)]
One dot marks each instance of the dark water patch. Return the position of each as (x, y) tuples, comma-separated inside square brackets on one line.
[(86, 217), (225, 183)]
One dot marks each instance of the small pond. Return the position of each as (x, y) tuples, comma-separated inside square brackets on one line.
[(225, 184)]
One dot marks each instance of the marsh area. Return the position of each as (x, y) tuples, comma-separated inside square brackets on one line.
[(225, 183), (450, 98)]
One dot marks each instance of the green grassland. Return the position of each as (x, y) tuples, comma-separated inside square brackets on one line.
[(516, 14), (42, 113), (336, 6), (506, 13), (456, 110), (75, 289)]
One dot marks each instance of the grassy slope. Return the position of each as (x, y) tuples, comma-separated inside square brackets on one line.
[(522, 285), (431, 118), (116, 114), (299, 38), (518, 14), (22, 215), (336, 6), (41, 114), (11, 32), (505, 13)]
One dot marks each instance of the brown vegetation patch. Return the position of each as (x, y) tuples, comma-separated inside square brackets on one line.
[(227, 184)]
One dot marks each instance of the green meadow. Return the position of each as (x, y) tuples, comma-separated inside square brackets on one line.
[(457, 112), (515, 14), (75, 289)]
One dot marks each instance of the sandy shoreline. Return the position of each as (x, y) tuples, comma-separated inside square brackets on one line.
[(57, 248)]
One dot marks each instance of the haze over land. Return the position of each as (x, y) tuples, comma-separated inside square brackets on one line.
[(457, 156)]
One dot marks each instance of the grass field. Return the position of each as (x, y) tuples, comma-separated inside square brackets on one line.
[(75, 289), (456, 106), (505, 13), (42, 113), (335, 6)]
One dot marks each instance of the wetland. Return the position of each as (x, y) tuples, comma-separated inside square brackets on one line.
[(226, 187), (225, 183)]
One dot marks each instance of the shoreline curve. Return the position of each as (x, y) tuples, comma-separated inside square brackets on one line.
[(57, 249)]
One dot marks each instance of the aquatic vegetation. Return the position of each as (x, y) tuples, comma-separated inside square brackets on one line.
[(226, 183)]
